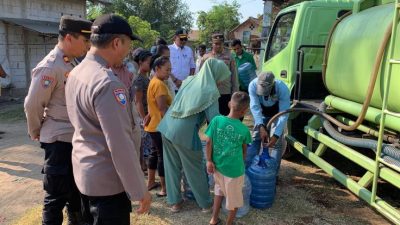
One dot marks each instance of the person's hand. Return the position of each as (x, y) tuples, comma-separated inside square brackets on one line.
[(210, 167), (264, 135), (272, 141), (37, 138), (144, 204), (146, 120)]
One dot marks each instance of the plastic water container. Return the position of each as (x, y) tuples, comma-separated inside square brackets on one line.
[(252, 151), (262, 174), (246, 73), (246, 190)]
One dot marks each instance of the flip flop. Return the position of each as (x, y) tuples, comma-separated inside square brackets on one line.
[(154, 186), (217, 223), (161, 195), (177, 207)]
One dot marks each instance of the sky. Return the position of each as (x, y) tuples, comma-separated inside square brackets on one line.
[(247, 8)]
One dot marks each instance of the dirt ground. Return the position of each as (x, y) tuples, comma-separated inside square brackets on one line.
[(305, 194)]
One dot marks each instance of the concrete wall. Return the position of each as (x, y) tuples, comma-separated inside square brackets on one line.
[(46, 10), (25, 48)]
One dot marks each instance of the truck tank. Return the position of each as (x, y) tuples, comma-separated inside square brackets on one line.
[(352, 54)]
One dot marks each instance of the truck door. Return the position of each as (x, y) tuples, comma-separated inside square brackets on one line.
[(278, 56)]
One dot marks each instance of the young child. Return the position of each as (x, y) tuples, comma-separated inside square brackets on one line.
[(227, 139)]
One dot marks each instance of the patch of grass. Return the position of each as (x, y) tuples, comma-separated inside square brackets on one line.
[(12, 113)]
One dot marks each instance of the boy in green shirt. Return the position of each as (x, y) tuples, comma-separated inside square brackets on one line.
[(227, 139)]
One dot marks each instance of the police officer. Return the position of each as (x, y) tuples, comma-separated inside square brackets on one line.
[(105, 160), (229, 86), (268, 97), (48, 121)]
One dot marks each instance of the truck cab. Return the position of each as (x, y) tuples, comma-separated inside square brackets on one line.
[(296, 44)]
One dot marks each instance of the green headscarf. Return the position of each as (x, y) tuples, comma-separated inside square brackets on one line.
[(200, 91)]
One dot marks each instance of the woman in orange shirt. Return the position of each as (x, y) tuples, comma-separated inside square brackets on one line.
[(158, 100)]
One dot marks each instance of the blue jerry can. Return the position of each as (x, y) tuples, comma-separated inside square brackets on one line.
[(262, 175)]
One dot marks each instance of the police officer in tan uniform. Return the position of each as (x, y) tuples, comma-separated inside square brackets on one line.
[(48, 121), (104, 158), (229, 86)]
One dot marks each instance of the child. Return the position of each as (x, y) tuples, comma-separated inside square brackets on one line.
[(227, 139)]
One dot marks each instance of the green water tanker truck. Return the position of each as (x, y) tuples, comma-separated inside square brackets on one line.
[(341, 61)]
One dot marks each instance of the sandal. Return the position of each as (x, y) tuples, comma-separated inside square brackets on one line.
[(177, 207), (160, 194), (217, 223), (153, 186)]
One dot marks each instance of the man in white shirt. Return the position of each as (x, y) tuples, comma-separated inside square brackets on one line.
[(181, 57)]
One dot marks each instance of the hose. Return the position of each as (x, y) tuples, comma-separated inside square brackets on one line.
[(374, 74), (392, 154), (388, 150)]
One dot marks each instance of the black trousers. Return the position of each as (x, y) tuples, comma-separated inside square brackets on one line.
[(156, 158), (108, 210), (59, 184), (223, 104)]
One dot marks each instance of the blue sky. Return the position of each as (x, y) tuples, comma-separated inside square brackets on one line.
[(247, 7)]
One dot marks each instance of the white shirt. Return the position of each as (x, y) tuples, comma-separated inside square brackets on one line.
[(182, 61)]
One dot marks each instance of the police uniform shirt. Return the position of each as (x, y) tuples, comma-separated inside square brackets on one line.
[(105, 161), (230, 85), (44, 105)]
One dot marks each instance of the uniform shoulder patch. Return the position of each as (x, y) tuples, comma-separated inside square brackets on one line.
[(47, 81), (120, 96)]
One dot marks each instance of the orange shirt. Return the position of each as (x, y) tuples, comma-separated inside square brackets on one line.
[(156, 89)]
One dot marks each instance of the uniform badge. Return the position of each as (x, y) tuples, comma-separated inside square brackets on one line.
[(120, 96), (47, 81)]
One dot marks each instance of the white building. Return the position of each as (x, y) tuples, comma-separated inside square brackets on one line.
[(28, 31)]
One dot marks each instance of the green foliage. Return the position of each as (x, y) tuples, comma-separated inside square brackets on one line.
[(139, 26), (164, 16), (143, 29), (93, 10), (221, 18)]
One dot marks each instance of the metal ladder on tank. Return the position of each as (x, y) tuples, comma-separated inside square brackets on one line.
[(387, 210)]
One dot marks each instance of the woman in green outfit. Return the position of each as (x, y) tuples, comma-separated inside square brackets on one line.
[(195, 103)]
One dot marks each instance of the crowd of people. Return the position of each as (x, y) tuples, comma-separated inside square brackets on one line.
[(121, 115)]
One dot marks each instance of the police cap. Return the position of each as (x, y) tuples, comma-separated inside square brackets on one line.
[(182, 33), (75, 25), (113, 24), (217, 37)]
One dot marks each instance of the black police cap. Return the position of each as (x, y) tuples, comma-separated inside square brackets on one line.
[(113, 24), (217, 37), (181, 32), (75, 25)]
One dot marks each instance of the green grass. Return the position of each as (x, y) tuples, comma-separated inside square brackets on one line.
[(12, 113)]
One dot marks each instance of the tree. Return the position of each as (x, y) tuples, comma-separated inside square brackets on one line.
[(164, 16), (143, 29), (221, 18), (139, 26), (93, 10)]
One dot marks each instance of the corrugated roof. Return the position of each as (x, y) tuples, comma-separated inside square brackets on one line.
[(43, 27)]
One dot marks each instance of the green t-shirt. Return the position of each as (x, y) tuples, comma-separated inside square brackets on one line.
[(228, 135), (245, 57)]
